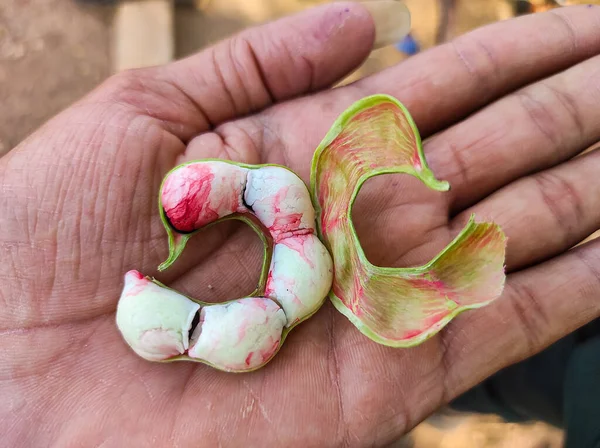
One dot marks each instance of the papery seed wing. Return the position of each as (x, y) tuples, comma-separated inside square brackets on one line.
[(393, 306)]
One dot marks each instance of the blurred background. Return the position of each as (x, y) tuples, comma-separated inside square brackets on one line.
[(52, 52)]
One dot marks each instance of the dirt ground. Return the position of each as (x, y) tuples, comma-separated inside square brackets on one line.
[(54, 51), (51, 53)]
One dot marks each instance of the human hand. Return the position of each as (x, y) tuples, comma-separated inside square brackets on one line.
[(504, 108)]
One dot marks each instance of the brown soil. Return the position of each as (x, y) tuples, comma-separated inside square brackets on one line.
[(51, 53)]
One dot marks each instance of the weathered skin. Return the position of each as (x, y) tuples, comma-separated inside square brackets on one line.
[(239, 335), (154, 321), (394, 306)]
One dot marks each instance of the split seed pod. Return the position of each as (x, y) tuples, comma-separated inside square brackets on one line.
[(398, 307), (242, 334)]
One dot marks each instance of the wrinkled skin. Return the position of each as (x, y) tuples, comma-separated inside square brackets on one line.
[(78, 209)]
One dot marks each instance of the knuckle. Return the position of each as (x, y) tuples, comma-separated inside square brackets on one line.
[(548, 108), (542, 116), (565, 104), (588, 264), (282, 65), (477, 58), (529, 311), (228, 67), (562, 202), (240, 74), (570, 30), (461, 165)]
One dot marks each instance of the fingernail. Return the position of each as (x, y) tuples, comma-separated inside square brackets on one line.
[(392, 21)]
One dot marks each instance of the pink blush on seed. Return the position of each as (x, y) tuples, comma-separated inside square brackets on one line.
[(135, 283), (270, 351), (185, 196), (286, 223), (161, 343), (298, 244)]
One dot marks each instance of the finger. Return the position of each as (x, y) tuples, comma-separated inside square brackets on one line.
[(266, 64), (547, 213), (445, 84), (540, 305), (439, 86), (533, 129)]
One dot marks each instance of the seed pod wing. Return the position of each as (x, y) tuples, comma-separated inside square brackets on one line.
[(395, 306)]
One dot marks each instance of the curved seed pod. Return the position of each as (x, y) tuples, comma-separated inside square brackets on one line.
[(297, 271), (242, 334), (399, 307)]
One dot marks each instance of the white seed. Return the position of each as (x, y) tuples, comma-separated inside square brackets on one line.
[(153, 320), (300, 276), (238, 335), (280, 200)]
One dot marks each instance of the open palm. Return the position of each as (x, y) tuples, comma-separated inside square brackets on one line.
[(505, 108)]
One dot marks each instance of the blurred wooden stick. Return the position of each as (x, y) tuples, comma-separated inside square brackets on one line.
[(143, 34)]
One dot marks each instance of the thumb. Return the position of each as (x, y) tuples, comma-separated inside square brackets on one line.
[(291, 56)]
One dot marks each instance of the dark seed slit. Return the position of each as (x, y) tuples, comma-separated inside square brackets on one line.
[(195, 322), (248, 206)]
